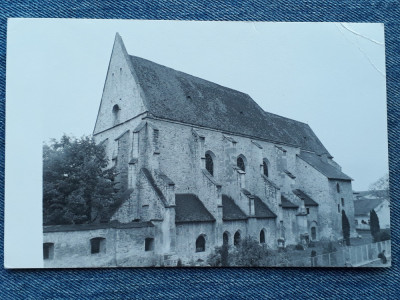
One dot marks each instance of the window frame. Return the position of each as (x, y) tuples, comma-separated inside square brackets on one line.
[(200, 243), (97, 245)]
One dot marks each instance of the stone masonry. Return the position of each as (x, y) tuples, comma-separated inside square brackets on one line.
[(203, 165)]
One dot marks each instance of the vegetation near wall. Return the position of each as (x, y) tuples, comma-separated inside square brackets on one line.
[(76, 187)]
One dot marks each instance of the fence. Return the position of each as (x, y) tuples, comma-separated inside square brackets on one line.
[(352, 256)]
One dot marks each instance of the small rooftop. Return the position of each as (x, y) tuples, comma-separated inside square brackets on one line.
[(230, 210), (324, 167), (308, 201), (285, 203), (189, 208), (261, 209)]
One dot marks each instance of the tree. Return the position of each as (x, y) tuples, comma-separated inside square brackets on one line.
[(381, 184), (76, 187), (374, 225), (346, 228)]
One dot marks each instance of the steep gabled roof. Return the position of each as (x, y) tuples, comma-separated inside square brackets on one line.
[(230, 211), (325, 168), (261, 209), (174, 95), (363, 207), (308, 201), (285, 203), (189, 208)]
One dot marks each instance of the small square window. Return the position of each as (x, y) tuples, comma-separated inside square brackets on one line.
[(97, 245), (149, 244), (48, 251)]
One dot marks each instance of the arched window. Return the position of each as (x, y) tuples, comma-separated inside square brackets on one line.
[(149, 244), (209, 164), (236, 238), (262, 237), (240, 163), (225, 238), (313, 230), (115, 112), (265, 167), (313, 233), (338, 187), (201, 244)]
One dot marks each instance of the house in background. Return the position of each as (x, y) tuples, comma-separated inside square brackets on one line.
[(365, 201)]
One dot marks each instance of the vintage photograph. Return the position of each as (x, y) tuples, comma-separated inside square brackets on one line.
[(269, 150)]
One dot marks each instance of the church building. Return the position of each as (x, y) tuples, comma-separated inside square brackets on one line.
[(200, 165)]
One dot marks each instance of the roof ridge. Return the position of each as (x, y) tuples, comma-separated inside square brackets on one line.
[(187, 74)]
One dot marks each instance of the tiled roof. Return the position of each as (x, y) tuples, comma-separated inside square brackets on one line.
[(325, 168), (308, 201), (230, 211), (363, 207), (286, 203), (373, 194), (261, 209), (174, 95), (189, 208)]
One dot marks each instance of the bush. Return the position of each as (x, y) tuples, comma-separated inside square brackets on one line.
[(299, 247), (345, 228), (314, 258), (374, 225), (219, 257), (384, 236), (249, 253), (329, 248), (179, 264)]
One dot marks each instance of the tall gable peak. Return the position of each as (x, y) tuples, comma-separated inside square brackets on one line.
[(122, 97)]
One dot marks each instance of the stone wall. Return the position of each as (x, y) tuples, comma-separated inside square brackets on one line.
[(186, 235), (122, 247), (346, 193)]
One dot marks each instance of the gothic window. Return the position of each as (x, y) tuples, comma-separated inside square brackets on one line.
[(342, 201), (115, 112), (240, 163), (262, 237), (265, 168), (338, 187), (236, 238), (201, 244), (338, 208), (149, 244), (225, 238), (308, 210), (313, 233), (48, 250), (209, 164), (97, 245)]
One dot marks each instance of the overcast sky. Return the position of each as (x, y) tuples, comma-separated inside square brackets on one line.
[(331, 76)]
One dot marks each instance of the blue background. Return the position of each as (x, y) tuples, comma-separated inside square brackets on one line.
[(215, 283)]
